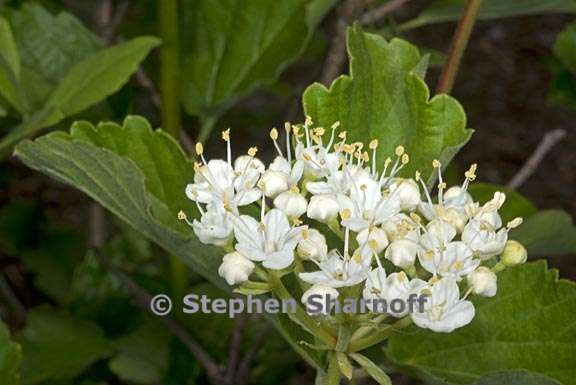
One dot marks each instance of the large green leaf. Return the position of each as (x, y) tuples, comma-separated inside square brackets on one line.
[(528, 325), (547, 233), (516, 378), (99, 76), (231, 46), (50, 45), (136, 173), (565, 47), (10, 355), (10, 67), (448, 10), (515, 206), (385, 98), (58, 346)]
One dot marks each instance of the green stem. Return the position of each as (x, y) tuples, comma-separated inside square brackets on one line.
[(379, 336), (333, 376), (171, 123), (300, 316), (458, 46)]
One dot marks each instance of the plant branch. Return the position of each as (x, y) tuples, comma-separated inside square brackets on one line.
[(243, 372), (381, 11), (458, 46), (235, 346), (548, 141)]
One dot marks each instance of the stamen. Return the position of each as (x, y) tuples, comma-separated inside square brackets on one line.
[(274, 137), (288, 144)]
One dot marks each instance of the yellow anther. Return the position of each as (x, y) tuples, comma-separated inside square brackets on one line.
[(387, 162), (405, 158), (262, 226), (305, 234), (471, 173), (295, 189), (308, 121), (442, 186), (306, 157), (514, 223), (399, 151), (345, 214), (319, 131), (252, 151), (373, 144), (365, 156), (401, 276), (181, 215), (357, 257), (274, 134), (433, 280), (373, 244), (415, 217), (359, 145), (417, 176), (197, 166), (296, 130), (315, 138), (297, 222), (199, 148), (335, 125), (457, 265), (226, 135), (227, 206), (287, 127), (342, 135), (436, 163), (363, 187)]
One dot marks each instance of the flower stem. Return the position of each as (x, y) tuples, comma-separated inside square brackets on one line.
[(300, 316), (333, 375), (169, 73), (379, 336), (458, 46)]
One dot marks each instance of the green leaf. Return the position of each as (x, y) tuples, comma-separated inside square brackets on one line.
[(547, 233), (449, 10), (136, 173), (515, 206), (385, 98), (50, 45), (10, 356), (372, 369), (344, 365), (142, 355), (528, 325), (516, 378), (565, 47), (10, 68), (58, 346), (99, 76), (232, 46)]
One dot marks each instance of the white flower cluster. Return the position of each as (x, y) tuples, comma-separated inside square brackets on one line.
[(443, 248)]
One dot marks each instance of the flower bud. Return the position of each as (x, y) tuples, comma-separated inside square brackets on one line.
[(456, 196), (513, 254), (273, 183), (407, 192), (483, 282), (292, 203), (235, 268), (312, 245), (319, 299), (402, 253), (376, 236), (323, 208)]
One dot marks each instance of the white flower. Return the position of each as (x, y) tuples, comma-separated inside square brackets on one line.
[(489, 211), (396, 286), (367, 205), (293, 173), (319, 299), (271, 242), (337, 271), (214, 227), (317, 158), (401, 227), (292, 203), (483, 282), (408, 193), (514, 254), (235, 268), (312, 245), (377, 236), (438, 234), (246, 162), (402, 253), (453, 260), (483, 239), (216, 182), (323, 208), (444, 310)]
